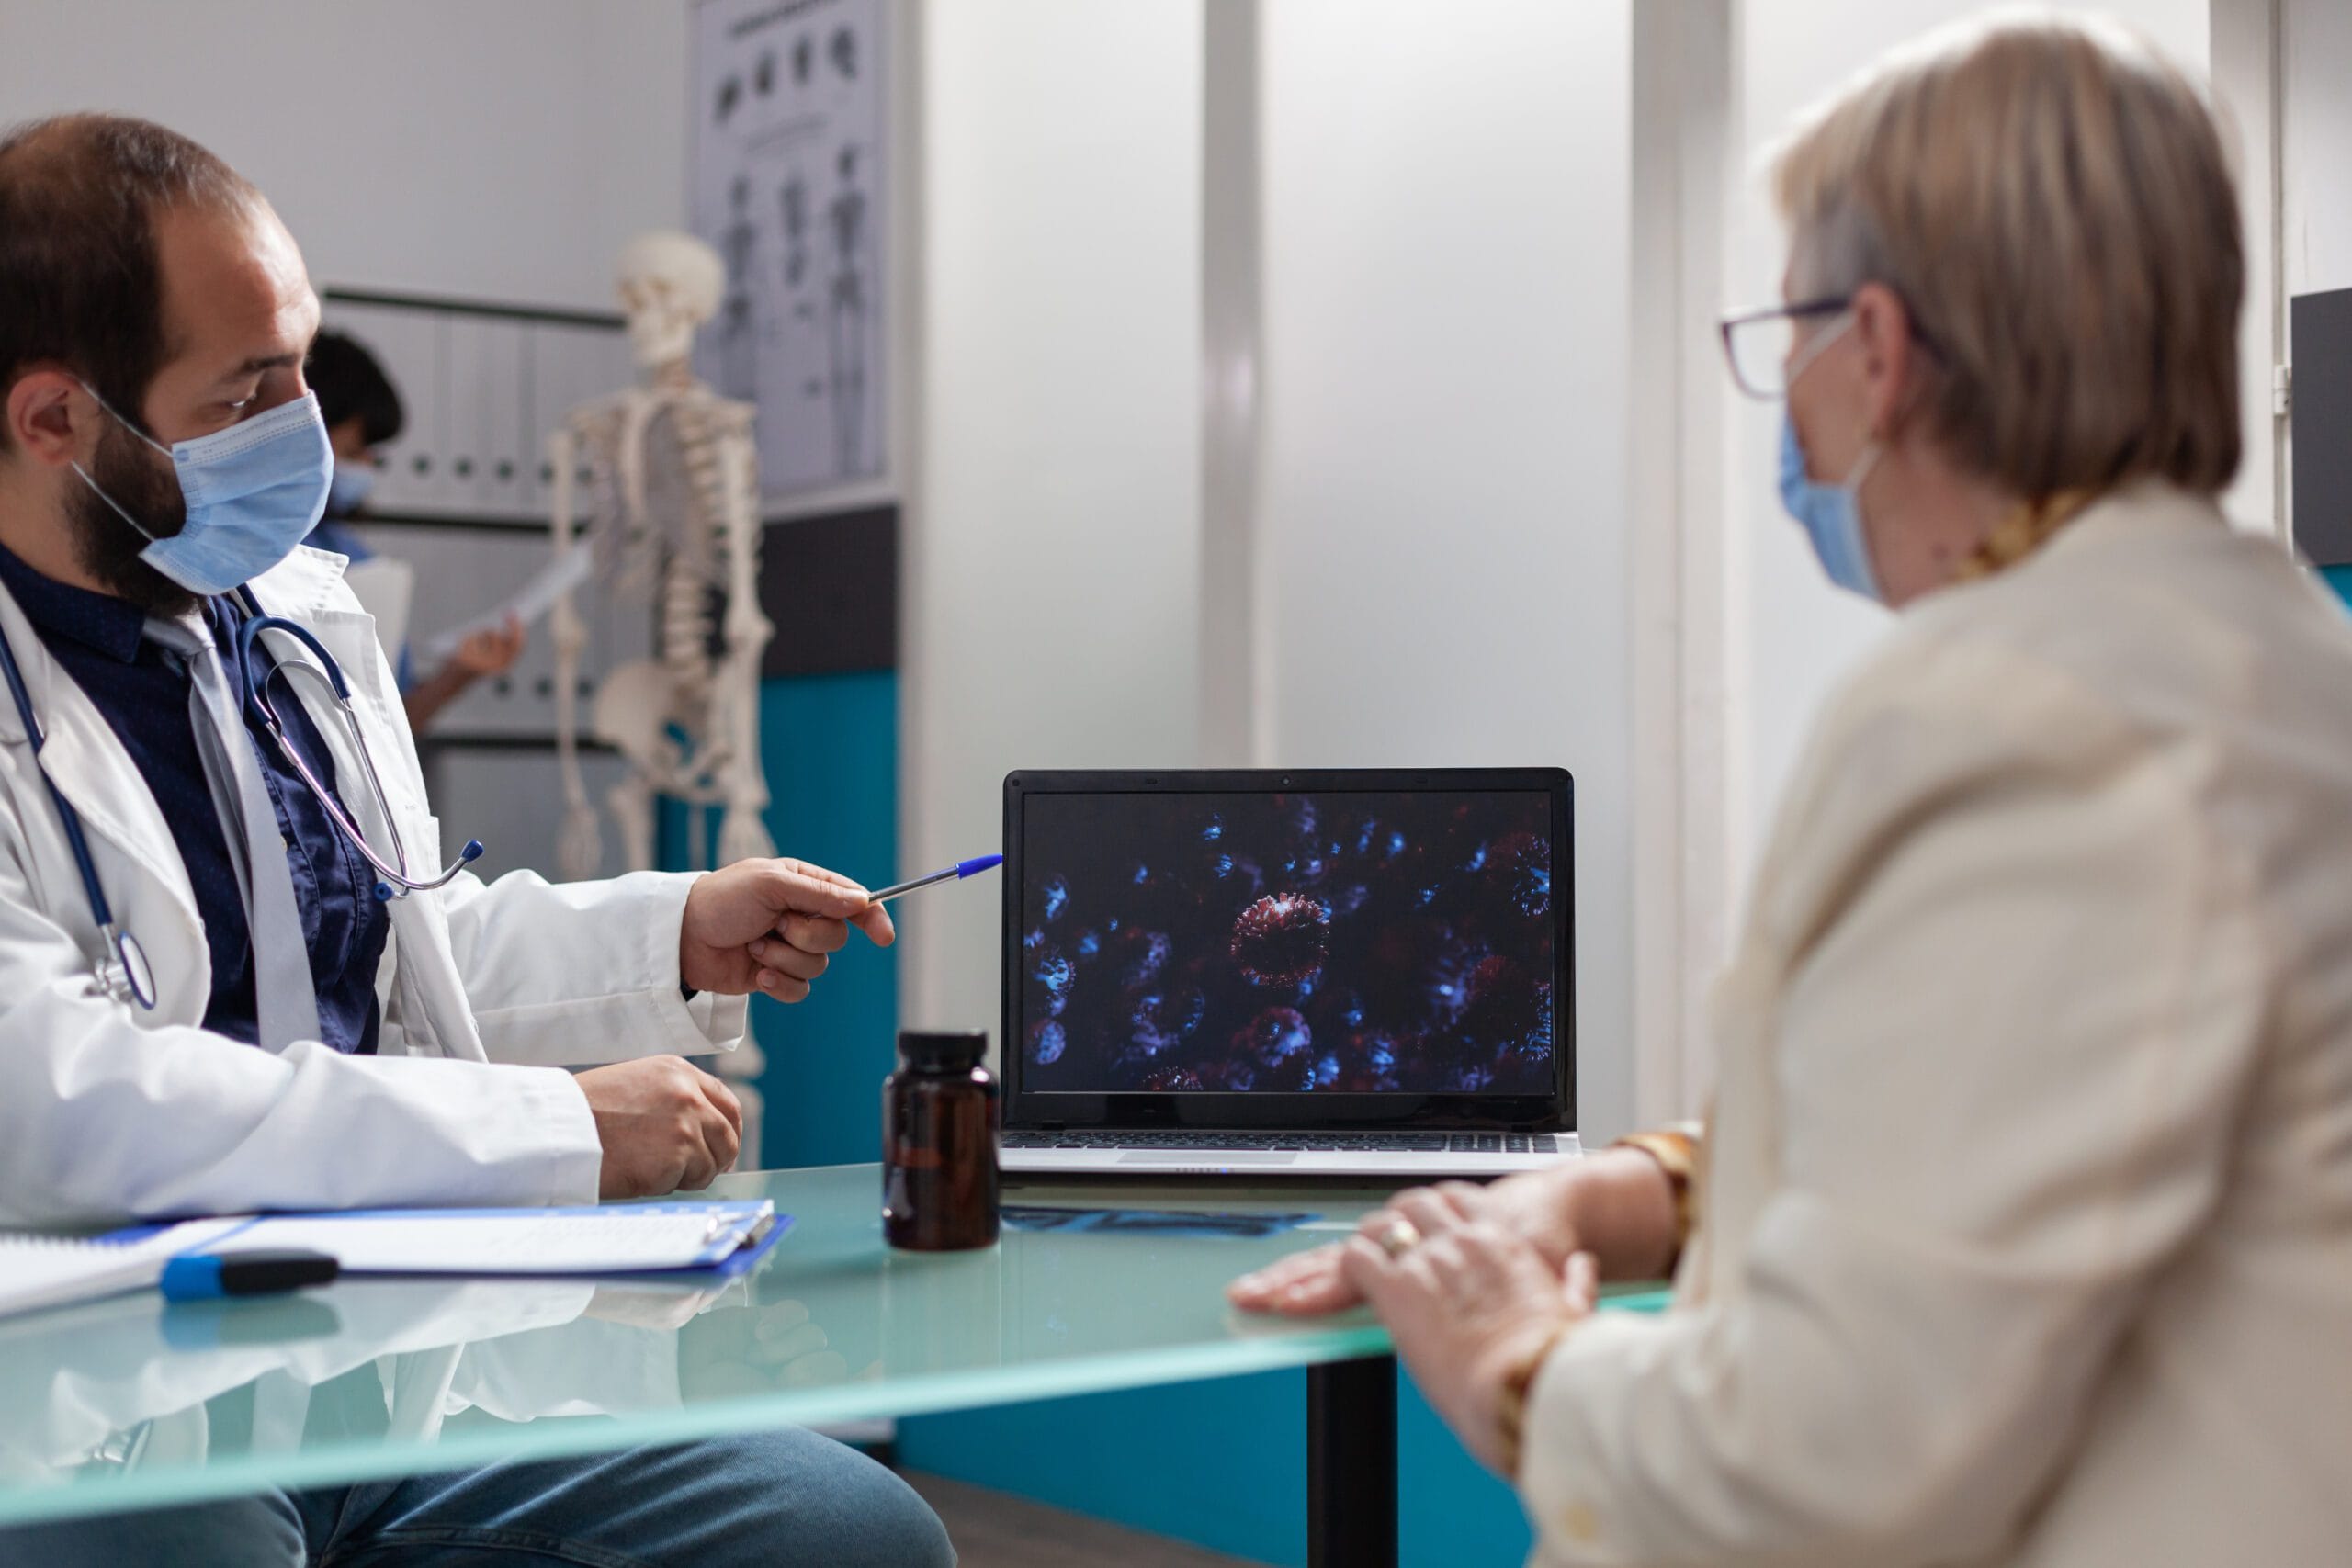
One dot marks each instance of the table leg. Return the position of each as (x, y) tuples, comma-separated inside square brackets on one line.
[(1351, 1464)]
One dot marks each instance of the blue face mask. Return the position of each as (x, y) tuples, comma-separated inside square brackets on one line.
[(1831, 513), (347, 492), (253, 492)]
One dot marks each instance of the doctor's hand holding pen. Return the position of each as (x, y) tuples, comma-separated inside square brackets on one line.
[(758, 925)]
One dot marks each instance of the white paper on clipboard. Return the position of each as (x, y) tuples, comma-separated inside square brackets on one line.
[(526, 603)]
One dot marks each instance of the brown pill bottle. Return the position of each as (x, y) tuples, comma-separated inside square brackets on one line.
[(939, 1144)]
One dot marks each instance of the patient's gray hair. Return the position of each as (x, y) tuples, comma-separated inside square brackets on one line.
[(2051, 199)]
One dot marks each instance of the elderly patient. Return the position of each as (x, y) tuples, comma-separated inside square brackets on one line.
[(2021, 1231)]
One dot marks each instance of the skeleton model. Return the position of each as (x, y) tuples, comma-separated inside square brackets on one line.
[(672, 507)]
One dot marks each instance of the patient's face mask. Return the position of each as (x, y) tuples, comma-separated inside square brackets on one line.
[(350, 490), (253, 492), (1830, 513)]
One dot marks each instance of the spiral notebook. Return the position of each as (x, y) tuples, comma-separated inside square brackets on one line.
[(39, 1271)]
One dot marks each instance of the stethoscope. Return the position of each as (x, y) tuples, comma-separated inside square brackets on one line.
[(125, 974)]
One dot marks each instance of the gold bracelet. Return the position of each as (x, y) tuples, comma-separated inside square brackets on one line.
[(1510, 1416), (1677, 1154)]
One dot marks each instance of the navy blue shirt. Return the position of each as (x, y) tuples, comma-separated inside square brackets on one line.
[(144, 692)]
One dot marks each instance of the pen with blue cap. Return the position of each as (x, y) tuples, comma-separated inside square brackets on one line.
[(955, 873), (199, 1276)]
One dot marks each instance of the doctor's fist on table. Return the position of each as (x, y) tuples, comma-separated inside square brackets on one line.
[(763, 925)]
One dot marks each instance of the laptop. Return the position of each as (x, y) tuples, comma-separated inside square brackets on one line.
[(1267, 974)]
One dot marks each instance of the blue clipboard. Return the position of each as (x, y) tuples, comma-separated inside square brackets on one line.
[(749, 1231), (755, 1244)]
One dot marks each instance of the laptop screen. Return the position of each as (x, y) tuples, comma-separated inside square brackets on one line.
[(1334, 942)]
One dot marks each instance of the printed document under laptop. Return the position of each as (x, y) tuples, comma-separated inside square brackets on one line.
[(1269, 974)]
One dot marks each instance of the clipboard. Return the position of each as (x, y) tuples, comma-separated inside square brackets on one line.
[(676, 1241)]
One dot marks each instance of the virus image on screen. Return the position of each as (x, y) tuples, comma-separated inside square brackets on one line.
[(1358, 942)]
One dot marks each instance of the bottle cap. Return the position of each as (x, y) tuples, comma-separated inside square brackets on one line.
[(945, 1052)]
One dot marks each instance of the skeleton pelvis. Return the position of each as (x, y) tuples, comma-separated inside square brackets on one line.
[(639, 713)]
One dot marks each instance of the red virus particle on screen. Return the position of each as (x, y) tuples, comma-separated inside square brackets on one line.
[(1282, 939)]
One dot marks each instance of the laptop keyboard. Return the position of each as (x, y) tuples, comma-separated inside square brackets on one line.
[(1303, 1143)]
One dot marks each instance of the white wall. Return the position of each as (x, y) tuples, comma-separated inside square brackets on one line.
[(1801, 634), (1443, 506), (1051, 566), (444, 146), (2316, 110)]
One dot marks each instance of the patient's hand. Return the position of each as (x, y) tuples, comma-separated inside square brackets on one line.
[(1470, 1307), (1535, 1206)]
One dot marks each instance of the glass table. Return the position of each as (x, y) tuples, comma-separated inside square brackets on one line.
[(133, 1404)]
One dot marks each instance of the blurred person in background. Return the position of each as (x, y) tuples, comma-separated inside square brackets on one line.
[(362, 413)]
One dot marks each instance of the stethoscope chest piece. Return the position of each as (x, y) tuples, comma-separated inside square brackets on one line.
[(135, 979), (124, 972)]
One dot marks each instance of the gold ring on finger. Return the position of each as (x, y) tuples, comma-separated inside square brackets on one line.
[(1398, 1237)]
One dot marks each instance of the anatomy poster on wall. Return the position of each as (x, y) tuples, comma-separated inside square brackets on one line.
[(790, 176)]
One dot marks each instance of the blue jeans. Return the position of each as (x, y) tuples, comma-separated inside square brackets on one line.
[(787, 1499)]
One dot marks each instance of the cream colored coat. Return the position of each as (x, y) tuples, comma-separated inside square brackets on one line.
[(106, 1110), (2027, 1226)]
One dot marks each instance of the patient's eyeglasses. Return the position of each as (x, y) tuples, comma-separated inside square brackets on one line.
[(1762, 344)]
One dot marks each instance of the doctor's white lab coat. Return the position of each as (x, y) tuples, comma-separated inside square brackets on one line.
[(2026, 1229), (106, 1110)]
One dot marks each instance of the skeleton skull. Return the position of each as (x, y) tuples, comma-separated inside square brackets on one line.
[(670, 283)]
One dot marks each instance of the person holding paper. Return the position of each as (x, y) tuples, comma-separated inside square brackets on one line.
[(234, 974), (363, 412)]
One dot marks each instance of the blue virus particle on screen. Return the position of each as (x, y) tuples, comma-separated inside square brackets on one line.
[(1523, 861), (1162, 1019), (1048, 1041), (1174, 1012), (1055, 896), (1033, 939), (1213, 831), (1221, 867), (1396, 843), (1451, 982), (1478, 861), (1237, 1074), (1143, 874), (1282, 939), (1277, 1036), (1089, 944), (1054, 973), (1143, 954)]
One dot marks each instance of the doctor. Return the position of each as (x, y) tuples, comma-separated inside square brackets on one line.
[(208, 1004)]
